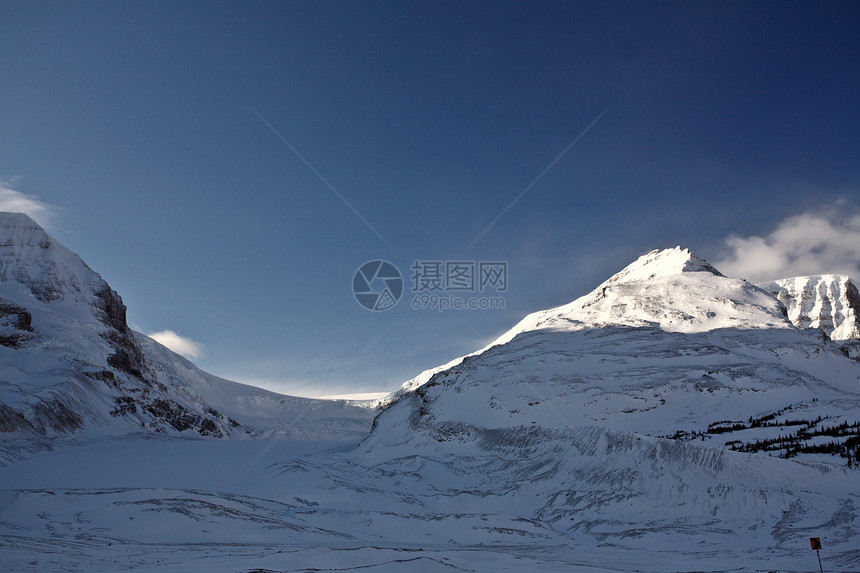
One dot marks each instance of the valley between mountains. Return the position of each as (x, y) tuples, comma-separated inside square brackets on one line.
[(673, 419)]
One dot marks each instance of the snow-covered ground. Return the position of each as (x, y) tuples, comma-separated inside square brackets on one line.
[(522, 500), (179, 504)]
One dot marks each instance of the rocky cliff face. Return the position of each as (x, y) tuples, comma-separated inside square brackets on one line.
[(827, 302)]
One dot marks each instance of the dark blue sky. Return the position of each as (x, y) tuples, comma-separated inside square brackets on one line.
[(138, 125)]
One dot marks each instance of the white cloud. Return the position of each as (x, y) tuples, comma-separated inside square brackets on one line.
[(179, 344), (815, 242), (16, 202)]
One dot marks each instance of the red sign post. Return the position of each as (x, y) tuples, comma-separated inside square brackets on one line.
[(816, 544)]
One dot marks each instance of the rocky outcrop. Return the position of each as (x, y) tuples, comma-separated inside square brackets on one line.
[(111, 308), (15, 323), (55, 415), (12, 420), (111, 311), (828, 302), (15, 315), (181, 419), (127, 356)]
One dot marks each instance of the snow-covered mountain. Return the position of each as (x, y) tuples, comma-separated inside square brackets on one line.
[(671, 289), (665, 300), (71, 366), (673, 419), (828, 302), (666, 347), (670, 406)]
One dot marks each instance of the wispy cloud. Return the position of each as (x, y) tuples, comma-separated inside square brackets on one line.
[(16, 202), (816, 242), (188, 348)]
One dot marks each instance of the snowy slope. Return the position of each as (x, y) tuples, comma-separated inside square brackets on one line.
[(71, 367)]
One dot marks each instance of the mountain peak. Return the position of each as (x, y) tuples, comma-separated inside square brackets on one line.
[(32, 258), (662, 263), (33, 265), (670, 289), (8, 219)]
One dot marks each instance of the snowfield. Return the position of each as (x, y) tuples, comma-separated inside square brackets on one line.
[(673, 419)]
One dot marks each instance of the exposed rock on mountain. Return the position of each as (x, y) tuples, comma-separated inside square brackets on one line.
[(15, 323), (70, 363), (827, 302)]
